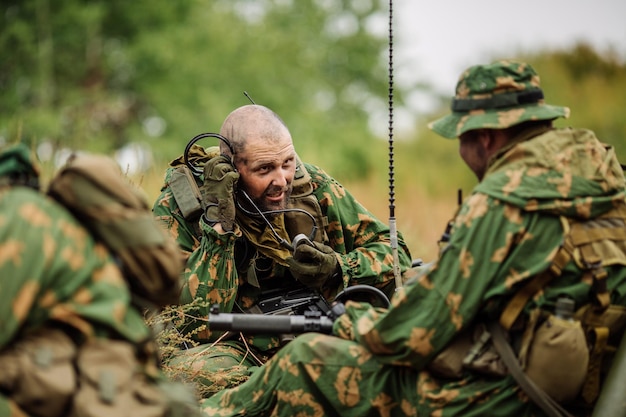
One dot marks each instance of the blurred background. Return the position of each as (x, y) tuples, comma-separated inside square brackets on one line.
[(137, 80)]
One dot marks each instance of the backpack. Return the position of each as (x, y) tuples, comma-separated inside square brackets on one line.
[(93, 188)]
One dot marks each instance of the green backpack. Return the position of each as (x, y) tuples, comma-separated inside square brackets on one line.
[(93, 188)]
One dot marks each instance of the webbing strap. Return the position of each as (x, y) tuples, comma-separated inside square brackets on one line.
[(517, 303), (519, 300), (583, 235), (591, 386), (578, 235)]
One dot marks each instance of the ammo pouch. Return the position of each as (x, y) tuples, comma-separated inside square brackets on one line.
[(553, 354), (38, 372), (469, 350)]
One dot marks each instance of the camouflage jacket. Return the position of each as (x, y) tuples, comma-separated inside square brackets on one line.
[(224, 269), (506, 232), (51, 270)]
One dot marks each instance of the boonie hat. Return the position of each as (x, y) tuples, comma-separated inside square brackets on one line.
[(496, 96)]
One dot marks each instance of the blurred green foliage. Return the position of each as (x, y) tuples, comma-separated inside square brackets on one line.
[(591, 84), (99, 74)]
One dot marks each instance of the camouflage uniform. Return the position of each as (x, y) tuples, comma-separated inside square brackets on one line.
[(505, 233), (54, 276), (232, 269)]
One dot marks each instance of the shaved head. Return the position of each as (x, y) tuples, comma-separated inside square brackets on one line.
[(264, 155), (252, 123)]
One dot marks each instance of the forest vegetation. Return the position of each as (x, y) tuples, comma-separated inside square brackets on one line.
[(108, 76)]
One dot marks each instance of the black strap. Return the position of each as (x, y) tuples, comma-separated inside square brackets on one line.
[(497, 101), (536, 394)]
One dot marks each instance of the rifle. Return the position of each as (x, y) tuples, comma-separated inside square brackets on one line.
[(309, 321), (293, 315)]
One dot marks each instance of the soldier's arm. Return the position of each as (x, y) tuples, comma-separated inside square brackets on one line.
[(490, 248), (360, 238)]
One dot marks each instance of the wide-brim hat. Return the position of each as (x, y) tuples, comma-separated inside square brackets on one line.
[(496, 96)]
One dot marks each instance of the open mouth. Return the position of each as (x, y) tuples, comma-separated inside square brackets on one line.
[(276, 196)]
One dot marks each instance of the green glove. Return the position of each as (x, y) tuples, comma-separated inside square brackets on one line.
[(218, 192), (313, 265)]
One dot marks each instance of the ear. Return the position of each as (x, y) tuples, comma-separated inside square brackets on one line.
[(484, 138), (491, 140)]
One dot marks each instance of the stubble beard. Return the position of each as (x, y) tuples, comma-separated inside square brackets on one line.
[(266, 205)]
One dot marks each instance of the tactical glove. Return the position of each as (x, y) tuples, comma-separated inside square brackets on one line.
[(313, 264), (218, 192)]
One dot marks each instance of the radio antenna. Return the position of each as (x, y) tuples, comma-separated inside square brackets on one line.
[(245, 93), (393, 232)]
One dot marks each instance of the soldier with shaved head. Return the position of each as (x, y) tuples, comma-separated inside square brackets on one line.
[(257, 196), (523, 310)]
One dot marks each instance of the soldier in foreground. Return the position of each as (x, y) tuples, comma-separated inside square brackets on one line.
[(257, 197), (536, 263), (72, 341)]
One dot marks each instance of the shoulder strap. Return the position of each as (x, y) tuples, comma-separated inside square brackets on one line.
[(302, 198), (593, 244)]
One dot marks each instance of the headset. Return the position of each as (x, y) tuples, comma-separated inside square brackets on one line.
[(299, 239)]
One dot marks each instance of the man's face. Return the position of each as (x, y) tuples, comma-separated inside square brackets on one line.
[(473, 152), (266, 169)]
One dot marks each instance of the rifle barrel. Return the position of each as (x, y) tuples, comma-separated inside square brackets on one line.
[(269, 324)]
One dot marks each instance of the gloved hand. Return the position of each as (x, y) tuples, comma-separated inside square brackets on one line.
[(313, 264), (218, 192)]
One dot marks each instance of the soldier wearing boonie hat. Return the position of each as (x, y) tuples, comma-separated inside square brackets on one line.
[(496, 96), (429, 353)]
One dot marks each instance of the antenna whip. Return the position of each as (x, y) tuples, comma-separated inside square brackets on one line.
[(393, 232)]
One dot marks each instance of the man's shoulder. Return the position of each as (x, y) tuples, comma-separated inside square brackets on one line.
[(26, 205), (16, 198), (318, 175)]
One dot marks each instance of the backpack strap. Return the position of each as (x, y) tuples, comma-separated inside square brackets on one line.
[(593, 244), (514, 308)]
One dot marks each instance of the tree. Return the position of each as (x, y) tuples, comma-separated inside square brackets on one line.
[(99, 74)]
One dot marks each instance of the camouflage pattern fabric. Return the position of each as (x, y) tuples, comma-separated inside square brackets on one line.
[(496, 96), (221, 269), (52, 270), (505, 233)]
